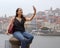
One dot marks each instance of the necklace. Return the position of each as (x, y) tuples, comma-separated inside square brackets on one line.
[(19, 19)]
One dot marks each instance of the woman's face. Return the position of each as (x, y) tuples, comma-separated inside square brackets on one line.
[(20, 12)]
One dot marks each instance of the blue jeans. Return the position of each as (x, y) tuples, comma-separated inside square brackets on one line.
[(24, 37)]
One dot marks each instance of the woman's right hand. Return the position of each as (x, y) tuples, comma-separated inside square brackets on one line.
[(7, 33)]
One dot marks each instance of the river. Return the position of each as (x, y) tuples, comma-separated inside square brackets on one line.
[(38, 41)]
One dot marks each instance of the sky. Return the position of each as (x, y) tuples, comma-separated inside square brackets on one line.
[(9, 7)]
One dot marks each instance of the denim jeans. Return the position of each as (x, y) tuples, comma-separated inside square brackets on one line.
[(24, 37)]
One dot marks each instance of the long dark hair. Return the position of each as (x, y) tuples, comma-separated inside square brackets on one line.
[(17, 14)]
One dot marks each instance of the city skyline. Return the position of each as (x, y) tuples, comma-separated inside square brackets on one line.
[(8, 7)]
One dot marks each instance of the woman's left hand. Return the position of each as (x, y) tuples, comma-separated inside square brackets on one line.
[(29, 19), (34, 10)]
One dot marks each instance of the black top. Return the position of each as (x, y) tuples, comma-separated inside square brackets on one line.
[(19, 26)]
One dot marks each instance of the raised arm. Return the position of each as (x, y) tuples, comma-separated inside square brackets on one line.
[(30, 18)]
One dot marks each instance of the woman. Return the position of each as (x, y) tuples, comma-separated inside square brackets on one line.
[(19, 29)]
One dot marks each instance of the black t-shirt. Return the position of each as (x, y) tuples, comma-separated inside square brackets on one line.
[(19, 25)]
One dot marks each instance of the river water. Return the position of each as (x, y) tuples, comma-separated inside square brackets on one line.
[(38, 41)]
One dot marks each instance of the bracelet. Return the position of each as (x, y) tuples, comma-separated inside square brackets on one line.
[(34, 14)]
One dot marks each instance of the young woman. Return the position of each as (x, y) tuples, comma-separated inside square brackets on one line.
[(19, 29)]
